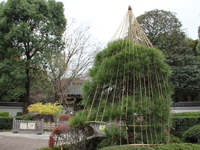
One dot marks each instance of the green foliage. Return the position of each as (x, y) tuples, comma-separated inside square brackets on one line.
[(192, 135), (6, 123), (178, 146), (4, 114), (28, 30), (164, 31), (78, 119), (64, 147), (198, 45), (127, 147), (129, 66), (159, 25), (174, 139), (19, 113), (186, 114), (114, 136), (181, 124), (24, 117)]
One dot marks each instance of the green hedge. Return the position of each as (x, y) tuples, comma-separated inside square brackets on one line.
[(192, 135), (181, 124), (178, 146), (24, 117), (6, 123), (170, 146), (186, 114), (127, 147), (4, 114)]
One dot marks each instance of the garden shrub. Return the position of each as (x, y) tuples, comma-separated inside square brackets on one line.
[(174, 139), (181, 124), (127, 147), (19, 113), (178, 146), (64, 117), (6, 123), (46, 117), (186, 114), (192, 135), (47, 108), (4, 114), (114, 136), (64, 147), (75, 136), (24, 117)]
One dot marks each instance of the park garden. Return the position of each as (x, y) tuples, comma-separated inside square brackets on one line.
[(130, 88)]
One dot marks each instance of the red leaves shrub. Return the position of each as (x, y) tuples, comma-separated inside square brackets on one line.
[(56, 133), (51, 141), (64, 117), (60, 129)]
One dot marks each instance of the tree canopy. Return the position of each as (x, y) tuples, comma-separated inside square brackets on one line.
[(28, 28), (164, 31)]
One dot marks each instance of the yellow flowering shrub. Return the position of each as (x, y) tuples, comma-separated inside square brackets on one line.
[(46, 108)]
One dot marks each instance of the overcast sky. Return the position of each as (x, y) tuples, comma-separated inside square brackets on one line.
[(105, 16)]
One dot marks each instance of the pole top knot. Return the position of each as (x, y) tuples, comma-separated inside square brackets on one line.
[(129, 7)]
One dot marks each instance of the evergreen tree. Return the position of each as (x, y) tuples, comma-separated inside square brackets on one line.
[(28, 29), (164, 31), (128, 79)]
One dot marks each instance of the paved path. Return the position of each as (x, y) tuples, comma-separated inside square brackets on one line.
[(23, 141)]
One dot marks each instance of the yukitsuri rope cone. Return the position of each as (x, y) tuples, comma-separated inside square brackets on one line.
[(128, 89)]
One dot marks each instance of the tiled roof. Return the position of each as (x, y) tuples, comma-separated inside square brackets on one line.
[(186, 104), (75, 88), (11, 104)]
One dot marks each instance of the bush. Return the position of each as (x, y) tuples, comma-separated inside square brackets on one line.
[(56, 134), (114, 136), (64, 117), (19, 113), (6, 123), (24, 117), (178, 146), (4, 114), (75, 136), (64, 147), (186, 114), (46, 108), (192, 135), (174, 139), (127, 147), (46, 117), (181, 124)]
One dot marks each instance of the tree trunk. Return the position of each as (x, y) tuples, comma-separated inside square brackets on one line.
[(26, 97)]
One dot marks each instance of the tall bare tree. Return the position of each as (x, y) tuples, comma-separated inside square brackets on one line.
[(73, 61)]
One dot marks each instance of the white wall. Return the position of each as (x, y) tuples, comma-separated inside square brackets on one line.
[(184, 109), (12, 109)]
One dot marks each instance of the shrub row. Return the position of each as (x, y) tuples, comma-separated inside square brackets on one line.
[(186, 114), (4, 114), (181, 124), (6, 123), (178, 146), (170, 146)]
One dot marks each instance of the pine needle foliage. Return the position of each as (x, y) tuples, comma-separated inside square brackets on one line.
[(129, 87)]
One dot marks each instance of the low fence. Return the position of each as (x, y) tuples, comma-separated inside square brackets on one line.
[(34, 126), (27, 126), (39, 126), (52, 125)]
